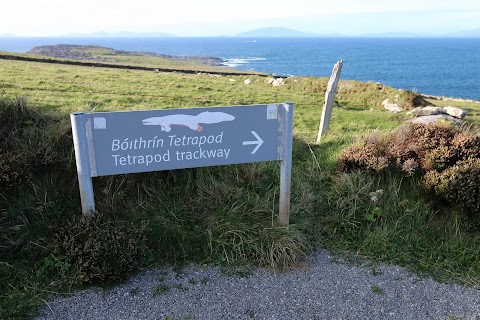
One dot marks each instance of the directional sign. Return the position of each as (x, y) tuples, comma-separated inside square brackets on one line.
[(141, 141), (109, 143), (257, 142)]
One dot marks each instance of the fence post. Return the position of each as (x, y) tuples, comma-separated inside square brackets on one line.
[(286, 137), (80, 141), (329, 100)]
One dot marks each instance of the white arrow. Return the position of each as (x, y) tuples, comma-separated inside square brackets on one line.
[(258, 142)]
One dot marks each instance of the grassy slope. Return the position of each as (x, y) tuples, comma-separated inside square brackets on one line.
[(236, 226)]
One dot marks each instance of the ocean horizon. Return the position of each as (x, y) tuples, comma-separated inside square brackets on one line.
[(447, 67)]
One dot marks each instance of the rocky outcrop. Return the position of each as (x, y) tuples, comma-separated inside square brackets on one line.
[(391, 107), (435, 118), (432, 110), (278, 82), (432, 114), (275, 81), (455, 112), (429, 113), (426, 111)]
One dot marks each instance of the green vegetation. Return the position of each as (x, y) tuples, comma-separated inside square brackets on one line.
[(222, 215), (160, 289), (377, 290), (446, 158)]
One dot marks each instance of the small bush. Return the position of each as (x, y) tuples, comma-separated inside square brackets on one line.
[(415, 99), (100, 249), (371, 155), (459, 184)]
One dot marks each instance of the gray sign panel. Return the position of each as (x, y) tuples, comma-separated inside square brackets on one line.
[(140, 141), (154, 140)]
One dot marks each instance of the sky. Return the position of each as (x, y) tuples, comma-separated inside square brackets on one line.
[(222, 17)]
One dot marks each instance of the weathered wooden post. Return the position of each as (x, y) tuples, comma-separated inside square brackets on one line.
[(285, 129), (82, 133), (329, 100)]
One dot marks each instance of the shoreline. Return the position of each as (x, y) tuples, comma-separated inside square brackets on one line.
[(315, 58), (72, 54), (443, 98)]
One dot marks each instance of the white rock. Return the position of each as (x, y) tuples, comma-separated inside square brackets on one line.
[(278, 82), (247, 81), (269, 80), (231, 80), (455, 112), (435, 118), (384, 102), (426, 111), (392, 107)]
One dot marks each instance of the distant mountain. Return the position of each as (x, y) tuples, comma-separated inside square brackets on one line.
[(276, 32), (120, 35), (467, 33), (396, 35)]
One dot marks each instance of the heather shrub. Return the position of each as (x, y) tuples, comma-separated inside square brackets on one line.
[(447, 158), (467, 145), (458, 184), (426, 147), (101, 249), (370, 155)]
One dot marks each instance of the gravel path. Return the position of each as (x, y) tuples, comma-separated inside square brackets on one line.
[(324, 289)]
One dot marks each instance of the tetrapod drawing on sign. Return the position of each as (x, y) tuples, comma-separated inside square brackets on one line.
[(192, 122)]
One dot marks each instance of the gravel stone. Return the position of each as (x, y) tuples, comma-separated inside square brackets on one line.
[(324, 288)]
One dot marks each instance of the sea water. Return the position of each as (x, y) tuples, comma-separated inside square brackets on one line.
[(436, 66)]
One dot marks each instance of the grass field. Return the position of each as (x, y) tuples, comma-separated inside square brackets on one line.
[(222, 215)]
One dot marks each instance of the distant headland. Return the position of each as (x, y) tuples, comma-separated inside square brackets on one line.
[(78, 52)]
